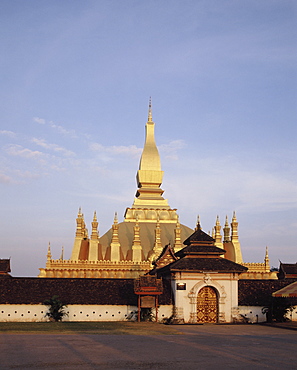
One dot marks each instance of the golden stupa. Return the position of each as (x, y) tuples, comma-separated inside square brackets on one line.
[(130, 248)]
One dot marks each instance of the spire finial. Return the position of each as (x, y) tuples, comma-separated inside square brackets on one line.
[(226, 230), (49, 254), (266, 260), (198, 224), (150, 114), (226, 222), (62, 254)]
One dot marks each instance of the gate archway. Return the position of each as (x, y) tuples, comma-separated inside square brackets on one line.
[(207, 305)]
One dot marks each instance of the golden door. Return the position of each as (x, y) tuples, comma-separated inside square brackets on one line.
[(207, 305)]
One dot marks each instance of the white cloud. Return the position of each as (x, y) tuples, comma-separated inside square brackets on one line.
[(54, 147), (39, 120), (59, 128), (170, 149), (18, 150), (63, 130), (129, 150), (7, 133), (17, 176), (96, 147), (172, 146)]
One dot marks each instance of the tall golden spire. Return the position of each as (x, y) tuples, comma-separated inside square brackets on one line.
[(94, 240), (218, 236), (226, 231), (150, 159), (148, 202), (177, 233), (136, 246), (62, 254), (49, 254), (157, 249), (95, 235), (115, 229), (234, 226), (266, 261), (79, 235), (79, 224), (115, 242), (235, 240)]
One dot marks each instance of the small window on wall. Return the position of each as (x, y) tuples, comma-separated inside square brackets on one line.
[(181, 286)]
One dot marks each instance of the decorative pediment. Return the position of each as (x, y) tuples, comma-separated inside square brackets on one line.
[(167, 256)]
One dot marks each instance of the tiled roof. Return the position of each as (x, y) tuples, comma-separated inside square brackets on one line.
[(200, 255), (74, 291), (4, 266), (288, 291), (199, 243), (200, 249), (148, 285), (198, 236), (259, 292), (289, 268), (201, 265)]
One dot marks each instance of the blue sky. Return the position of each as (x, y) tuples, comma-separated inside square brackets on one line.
[(75, 83)]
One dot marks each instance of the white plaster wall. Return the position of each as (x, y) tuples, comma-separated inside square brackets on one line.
[(252, 313), (108, 313), (22, 312), (164, 312), (36, 313), (31, 313), (98, 313)]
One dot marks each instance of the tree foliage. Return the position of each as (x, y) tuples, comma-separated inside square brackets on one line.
[(146, 314), (277, 309), (56, 309)]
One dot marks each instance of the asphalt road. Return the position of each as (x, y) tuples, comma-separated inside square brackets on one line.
[(196, 347)]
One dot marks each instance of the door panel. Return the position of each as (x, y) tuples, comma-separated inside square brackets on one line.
[(207, 305)]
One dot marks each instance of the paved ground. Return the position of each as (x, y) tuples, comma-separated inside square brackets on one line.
[(196, 347)]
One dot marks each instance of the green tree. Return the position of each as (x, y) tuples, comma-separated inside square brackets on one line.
[(277, 309), (146, 314), (56, 309)]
